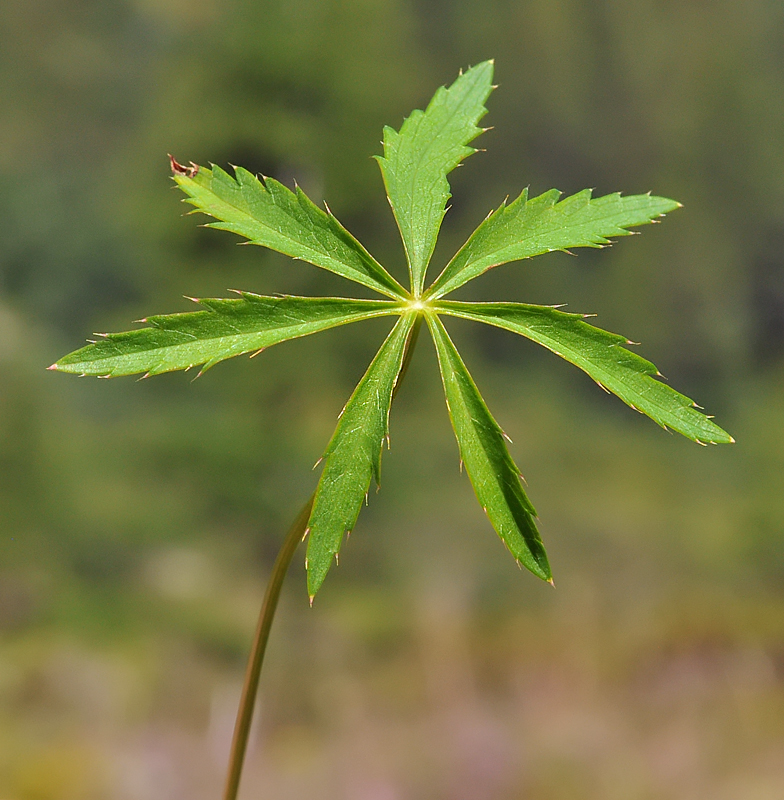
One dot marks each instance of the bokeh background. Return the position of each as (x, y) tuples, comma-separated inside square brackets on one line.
[(139, 520)]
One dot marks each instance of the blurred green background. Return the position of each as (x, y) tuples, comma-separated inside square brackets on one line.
[(139, 520)]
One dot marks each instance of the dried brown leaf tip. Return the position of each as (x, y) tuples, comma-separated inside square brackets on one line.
[(179, 169)]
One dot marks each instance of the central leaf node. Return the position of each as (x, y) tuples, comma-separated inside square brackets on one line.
[(417, 305)]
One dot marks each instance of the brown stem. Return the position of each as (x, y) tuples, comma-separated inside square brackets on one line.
[(239, 743)]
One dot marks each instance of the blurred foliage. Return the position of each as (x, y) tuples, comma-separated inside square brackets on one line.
[(139, 519)]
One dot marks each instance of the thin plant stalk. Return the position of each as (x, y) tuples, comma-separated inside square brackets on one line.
[(239, 744)]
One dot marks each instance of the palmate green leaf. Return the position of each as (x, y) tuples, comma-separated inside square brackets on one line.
[(353, 455), (495, 478), (269, 214), (417, 159), (414, 166), (603, 356), (225, 329), (528, 228)]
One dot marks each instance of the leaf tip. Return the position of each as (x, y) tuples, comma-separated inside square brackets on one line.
[(551, 582), (54, 367), (179, 170)]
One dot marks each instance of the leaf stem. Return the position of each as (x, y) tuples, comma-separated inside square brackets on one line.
[(239, 743)]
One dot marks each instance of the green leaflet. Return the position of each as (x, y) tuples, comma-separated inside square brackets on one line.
[(528, 228), (602, 355), (416, 161), (354, 455), (227, 328), (271, 215), (492, 471)]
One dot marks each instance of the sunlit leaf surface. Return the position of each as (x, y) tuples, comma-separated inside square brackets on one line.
[(417, 159), (225, 329), (528, 228), (604, 357), (353, 455), (483, 451)]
